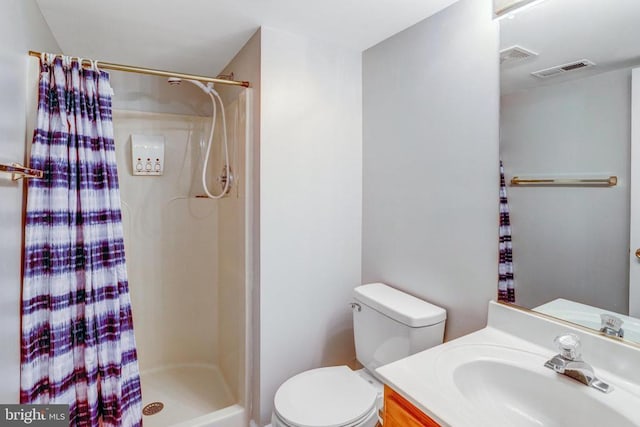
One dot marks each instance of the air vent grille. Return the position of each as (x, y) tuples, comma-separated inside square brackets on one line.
[(515, 53), (561, 69)]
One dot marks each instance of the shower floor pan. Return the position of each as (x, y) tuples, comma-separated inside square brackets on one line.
[(188, 394)]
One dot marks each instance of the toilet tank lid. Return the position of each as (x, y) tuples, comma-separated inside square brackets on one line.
[(400, 306)]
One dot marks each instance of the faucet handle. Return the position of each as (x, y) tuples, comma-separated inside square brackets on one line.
[(611, 325), (569, 346)]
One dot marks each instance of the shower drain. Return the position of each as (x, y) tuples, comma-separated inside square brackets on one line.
[(152, 408)]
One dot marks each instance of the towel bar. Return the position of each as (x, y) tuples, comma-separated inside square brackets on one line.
[(18, 171), (597, 182)]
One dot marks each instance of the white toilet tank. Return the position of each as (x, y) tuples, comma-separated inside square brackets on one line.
[(389, 325)]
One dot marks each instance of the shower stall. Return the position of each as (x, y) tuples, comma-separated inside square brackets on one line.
[(187, 260)]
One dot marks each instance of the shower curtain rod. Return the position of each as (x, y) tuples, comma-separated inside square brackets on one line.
[(153, 72)]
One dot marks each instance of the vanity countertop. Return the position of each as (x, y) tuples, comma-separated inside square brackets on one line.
[(431, 381)]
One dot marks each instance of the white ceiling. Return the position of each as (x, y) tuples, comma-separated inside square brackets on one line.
[(202, 36), (561, 31)]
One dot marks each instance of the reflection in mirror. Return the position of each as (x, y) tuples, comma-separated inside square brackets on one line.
[(566, 69), (610, 323), (505, 7)]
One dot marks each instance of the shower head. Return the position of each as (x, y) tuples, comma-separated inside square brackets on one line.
[(213, 95), (175, 81)]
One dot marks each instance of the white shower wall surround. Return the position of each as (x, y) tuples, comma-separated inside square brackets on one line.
[(170, 245), (185, 259)]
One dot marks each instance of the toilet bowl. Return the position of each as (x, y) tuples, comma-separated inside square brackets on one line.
[(388, 325), (328, 397)]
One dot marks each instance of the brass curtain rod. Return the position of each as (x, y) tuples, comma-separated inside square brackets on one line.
[(598, 182), (162, 73)]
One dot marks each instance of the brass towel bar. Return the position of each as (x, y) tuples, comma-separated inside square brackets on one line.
[(609, 181), (18, 171)]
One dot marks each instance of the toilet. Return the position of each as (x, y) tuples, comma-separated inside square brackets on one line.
[(388, 325)]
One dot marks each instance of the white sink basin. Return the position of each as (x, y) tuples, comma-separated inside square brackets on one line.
[(512, 388), (495, 377)]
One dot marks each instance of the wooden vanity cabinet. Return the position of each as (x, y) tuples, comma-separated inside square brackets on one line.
[(399, 412)]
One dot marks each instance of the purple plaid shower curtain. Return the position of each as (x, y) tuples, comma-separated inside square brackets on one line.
[(506, 284), (78, 346)]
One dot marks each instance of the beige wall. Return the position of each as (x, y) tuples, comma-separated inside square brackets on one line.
[(430, 202), (21, 28), (310, 206)]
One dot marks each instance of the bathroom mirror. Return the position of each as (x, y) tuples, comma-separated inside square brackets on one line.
[(571, 119)]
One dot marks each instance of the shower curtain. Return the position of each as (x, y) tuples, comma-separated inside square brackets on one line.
[(506, 284), (78, 346)]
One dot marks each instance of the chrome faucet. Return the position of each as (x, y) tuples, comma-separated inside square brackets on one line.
[(569, 363), (611, 325)]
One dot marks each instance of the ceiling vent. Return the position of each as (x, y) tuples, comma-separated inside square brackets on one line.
[(515, 53), (561, 69)]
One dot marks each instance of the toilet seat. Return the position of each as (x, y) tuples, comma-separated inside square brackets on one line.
[(325, 397)]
